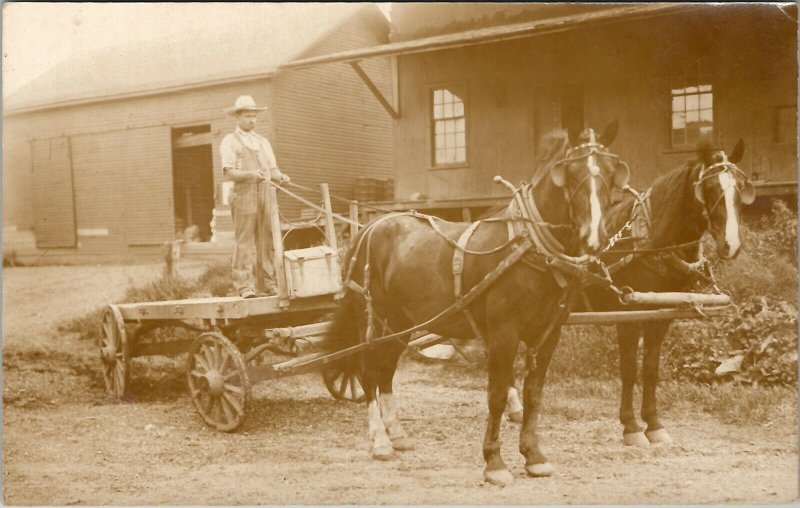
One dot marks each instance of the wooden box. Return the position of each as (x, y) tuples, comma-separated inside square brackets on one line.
[(312, 271)]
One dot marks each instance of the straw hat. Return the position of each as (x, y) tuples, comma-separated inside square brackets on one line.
[(244, 103)]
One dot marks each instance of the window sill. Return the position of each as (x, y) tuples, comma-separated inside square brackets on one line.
[(455, 165)]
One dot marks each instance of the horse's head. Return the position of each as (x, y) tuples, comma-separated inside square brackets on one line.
[(721, 188), (587, 173)]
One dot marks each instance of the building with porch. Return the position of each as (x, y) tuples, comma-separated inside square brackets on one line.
[(479, 83)]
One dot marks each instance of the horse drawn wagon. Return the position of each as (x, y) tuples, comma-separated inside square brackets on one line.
[(223, 361)]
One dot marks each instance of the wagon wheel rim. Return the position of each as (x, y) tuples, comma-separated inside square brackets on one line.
[(114, 353), (218, 380), (344, 382)]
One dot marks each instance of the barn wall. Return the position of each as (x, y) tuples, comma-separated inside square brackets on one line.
[(329, 127), (121, 163), (626, 71)]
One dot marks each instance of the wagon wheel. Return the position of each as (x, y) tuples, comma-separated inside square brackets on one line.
[(343, 381), (115, 352), (218, 381)]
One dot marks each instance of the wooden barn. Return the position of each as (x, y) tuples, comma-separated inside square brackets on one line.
[(479, 83), (110, 153)]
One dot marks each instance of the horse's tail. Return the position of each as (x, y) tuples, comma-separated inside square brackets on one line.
[(344, 330)]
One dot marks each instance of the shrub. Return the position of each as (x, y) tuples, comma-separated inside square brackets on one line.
[(763, 338)]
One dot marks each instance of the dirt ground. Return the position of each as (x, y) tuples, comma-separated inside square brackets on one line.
[(65, 443)]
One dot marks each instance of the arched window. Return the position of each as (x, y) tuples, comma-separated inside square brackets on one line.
[(449, 128)]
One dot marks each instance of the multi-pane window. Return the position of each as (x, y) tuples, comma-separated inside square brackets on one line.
[(449, 124), (692, 114)]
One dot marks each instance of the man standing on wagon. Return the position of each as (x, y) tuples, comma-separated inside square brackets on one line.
[(248, 161)]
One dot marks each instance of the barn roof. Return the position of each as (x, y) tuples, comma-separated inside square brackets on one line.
[(255, 49)]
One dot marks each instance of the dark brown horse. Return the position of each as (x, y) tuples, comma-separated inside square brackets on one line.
[(703, 196), (404, 267)]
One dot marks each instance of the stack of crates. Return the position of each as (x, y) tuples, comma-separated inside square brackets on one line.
[(374, 189)]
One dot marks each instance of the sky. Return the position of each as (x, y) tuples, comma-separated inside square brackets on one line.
[(37, 36)]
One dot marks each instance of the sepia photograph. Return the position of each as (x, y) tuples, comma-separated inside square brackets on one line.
[(445, 253)]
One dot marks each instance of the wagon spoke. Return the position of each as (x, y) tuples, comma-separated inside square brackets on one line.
[(230, 375), (216, 409), (196, 373), (209, 356), (222, 355), (233, 388), (201, 361), (225, 361), (227, 410), (233, 402), (208, 405), (353, 388), (342, 386)]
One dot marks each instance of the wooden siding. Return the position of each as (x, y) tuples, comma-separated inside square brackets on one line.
[(17, 181), (148, 199), (328, 125), (54, 208), (121, 155), (626, 72)]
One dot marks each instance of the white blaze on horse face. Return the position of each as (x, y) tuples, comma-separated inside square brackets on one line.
[(594, 204), (728, 184)]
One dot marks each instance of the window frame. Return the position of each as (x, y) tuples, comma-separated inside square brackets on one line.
[(462, 91), (689, 81)]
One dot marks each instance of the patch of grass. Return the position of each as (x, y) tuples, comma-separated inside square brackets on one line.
[(731, 403)]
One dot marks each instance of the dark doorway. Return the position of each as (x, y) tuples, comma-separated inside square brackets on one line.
[(193, 181), (572, 108)]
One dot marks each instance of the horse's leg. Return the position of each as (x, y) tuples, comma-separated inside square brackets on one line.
[(502, 348), (398, 436), (628, 339), (653, 337), (535, 462), (513, 406), (370, 376)]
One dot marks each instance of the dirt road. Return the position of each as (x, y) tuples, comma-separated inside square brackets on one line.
[(298, 446)]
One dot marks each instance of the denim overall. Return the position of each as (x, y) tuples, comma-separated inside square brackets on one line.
[(251, 221)]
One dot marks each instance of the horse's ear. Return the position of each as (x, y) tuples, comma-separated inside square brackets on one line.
[(737, 152), (574, 137), (609, 133), (748, 194), (558, 173), (698, 192), (622, 173)]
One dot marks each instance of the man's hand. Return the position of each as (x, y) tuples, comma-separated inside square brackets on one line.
[(280, 178)]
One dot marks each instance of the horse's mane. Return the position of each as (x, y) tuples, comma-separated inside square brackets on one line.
[(668, 200)]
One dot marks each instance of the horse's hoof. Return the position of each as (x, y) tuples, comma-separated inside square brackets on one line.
[(658, 436), (402, 444), (499, 477), (515, 417), (636, 439), (383, 453), (540, 470)]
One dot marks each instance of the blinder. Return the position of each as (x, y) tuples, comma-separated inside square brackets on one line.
[(747, 192)]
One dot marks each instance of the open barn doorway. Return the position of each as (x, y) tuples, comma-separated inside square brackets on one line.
[(193, 182)]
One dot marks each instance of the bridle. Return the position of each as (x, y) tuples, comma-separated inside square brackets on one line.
[(709, 172), (594, 149)]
